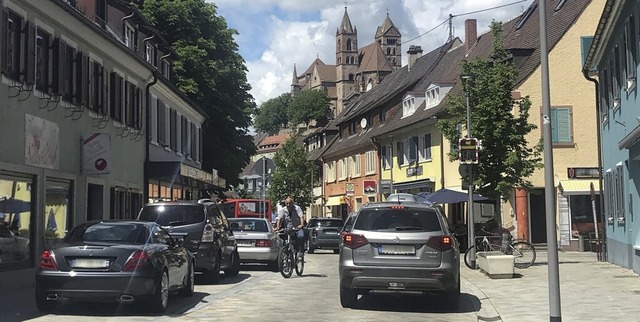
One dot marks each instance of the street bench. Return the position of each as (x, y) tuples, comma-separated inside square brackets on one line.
[(496, 264)]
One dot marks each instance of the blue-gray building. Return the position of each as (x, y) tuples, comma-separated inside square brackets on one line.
[(612, 63)]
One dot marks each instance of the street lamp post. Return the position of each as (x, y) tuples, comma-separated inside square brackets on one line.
[(470, 217), (390, 136), (264, 187)]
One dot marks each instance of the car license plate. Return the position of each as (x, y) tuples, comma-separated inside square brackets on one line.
[(89, 263), (396, 249), (331, 232), (396, 285), (245, 242)]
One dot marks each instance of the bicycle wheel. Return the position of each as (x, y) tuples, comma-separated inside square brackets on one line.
[(285, 262), (467, 258), (299, 263), (525, 254)]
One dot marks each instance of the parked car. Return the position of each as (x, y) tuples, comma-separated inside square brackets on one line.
[(403, 248), (118, 261), (205, 231), (257, 241), (323, 233), (348, 225), (401, 197), (12, 247)]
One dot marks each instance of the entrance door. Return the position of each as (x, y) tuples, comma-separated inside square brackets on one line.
[(538, 216), (95, 202)]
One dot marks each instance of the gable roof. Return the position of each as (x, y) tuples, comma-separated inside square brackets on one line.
[(373, 59)]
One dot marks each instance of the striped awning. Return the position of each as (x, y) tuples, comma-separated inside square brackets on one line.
[(578, 186), (334, 201)]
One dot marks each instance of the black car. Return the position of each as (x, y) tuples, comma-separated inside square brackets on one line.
[(324, 234), (205, 232), (114, 261)]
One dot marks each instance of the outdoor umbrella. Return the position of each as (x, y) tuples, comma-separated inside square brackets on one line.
[(51, 221), (421, 197), (451, 196), (14, 206)]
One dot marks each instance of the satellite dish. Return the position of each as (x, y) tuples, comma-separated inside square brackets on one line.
[(363, 123)]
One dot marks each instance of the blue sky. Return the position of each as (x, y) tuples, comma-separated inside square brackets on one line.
[(276, 34)]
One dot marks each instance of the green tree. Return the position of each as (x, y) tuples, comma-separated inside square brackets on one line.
[(310, 105), (209, 69), (292, 175), (506, 159), (271, 117)]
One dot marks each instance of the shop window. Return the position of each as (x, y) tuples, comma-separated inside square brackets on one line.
[(57, 211), (16, 203)]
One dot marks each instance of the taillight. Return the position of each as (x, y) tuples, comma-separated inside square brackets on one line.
[(441, 243), (354, 241), (138, 260), (48, 261), (207, 233), (314, 233), (263, 243)]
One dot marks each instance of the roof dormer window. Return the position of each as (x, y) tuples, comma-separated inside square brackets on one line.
[(408, 106), (433, 97)]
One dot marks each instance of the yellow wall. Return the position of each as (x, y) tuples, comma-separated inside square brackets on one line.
[(430, 169), (568, 87)]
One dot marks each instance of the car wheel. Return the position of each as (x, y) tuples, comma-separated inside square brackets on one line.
[(348, 297), (42, 303), (235, 265), (189, 284), (160, 298), (212, 276)]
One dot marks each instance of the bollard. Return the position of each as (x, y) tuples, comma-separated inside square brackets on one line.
[(581, 243)]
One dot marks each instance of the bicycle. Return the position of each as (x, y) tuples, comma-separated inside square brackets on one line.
[(288, 255), (524, 252)]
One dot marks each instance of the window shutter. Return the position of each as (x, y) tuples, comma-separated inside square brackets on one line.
[(3, 39), (104, 91), (139, 110), (554, 125), (563, 125), (84, 80), (113, 84), (161, 124), (194, 146), (57, 79), (413, 149), (200, 144), (400, 146), (30, 54)]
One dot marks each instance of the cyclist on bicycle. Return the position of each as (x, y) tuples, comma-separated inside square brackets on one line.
[(290, 216)]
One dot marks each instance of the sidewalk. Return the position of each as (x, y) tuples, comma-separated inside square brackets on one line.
[(590, 291)]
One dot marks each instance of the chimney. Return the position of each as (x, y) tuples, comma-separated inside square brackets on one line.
[(414, 52), (470, 33)]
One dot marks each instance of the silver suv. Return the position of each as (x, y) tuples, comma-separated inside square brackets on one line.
[(400, 248)]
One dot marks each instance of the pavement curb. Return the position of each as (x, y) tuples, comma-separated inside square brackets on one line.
[(486, 312)]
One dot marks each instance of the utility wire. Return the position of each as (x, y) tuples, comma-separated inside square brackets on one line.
[(464, 14)]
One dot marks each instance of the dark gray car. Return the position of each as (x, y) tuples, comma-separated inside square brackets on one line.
[(205, 231), (324, 233), (402, 248)]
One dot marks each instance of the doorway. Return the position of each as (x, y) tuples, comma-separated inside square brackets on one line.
[(537, 206), (95, 202)]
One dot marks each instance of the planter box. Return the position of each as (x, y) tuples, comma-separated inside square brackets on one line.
[(496, 264)]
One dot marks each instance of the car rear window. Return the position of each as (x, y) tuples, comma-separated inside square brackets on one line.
[(327, 223), (398, 219), (173, 215), (127, 233), (248, 225)]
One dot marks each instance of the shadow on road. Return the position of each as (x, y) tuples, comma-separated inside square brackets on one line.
[(177, 305), (416, 303)]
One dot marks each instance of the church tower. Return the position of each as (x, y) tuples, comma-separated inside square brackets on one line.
[(295, 85), (346, 60), (390, 40)]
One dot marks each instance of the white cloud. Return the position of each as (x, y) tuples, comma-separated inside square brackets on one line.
[(290, 40)]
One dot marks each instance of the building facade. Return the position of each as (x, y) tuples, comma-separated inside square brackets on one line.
[(612, 63), (78, 83)]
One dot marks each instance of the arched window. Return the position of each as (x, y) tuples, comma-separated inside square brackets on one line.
[(348, 43), (388, 51), (394, 51)]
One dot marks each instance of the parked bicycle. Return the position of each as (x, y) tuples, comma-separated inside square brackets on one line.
[(523, 251), (288, 258)]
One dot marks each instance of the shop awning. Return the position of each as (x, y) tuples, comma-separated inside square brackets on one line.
[(578, 186), (334, 201)]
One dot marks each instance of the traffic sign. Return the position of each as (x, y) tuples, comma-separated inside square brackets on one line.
[(468, 150)]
